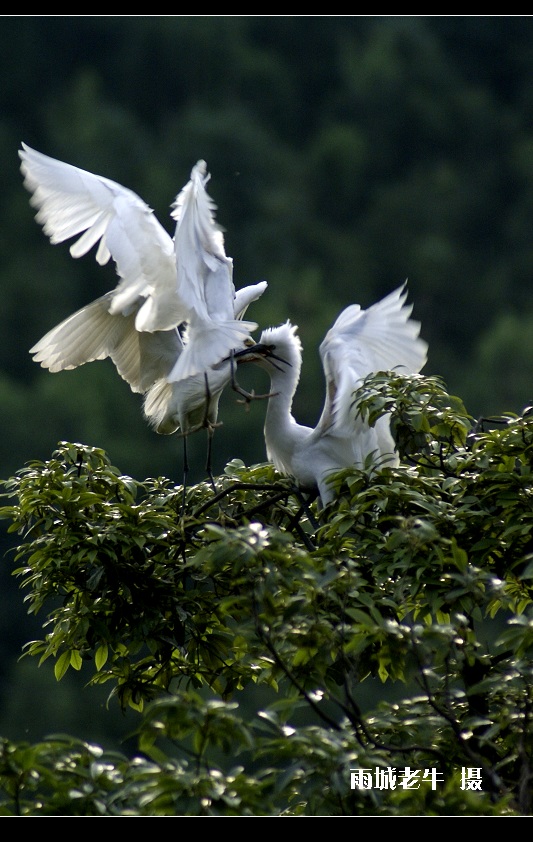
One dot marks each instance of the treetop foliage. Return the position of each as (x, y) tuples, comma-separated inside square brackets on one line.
[(416, 582)]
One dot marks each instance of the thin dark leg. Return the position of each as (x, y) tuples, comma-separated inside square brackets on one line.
[(210, 432), (185, 470), (207, 400), (208, 467)]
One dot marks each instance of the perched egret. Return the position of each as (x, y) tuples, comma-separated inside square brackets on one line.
[(360, 342), (172, 322)]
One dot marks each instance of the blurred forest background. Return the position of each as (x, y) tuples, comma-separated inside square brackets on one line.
[(347, 153)]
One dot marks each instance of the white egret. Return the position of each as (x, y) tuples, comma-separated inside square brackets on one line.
[(360, 342), (191, 404), (173, 319)]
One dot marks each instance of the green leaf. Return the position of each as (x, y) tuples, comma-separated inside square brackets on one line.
[(100, 656), (76, 660), (61, 665)]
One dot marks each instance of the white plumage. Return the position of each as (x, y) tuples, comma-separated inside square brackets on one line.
[(192, 403), (165, 283), (361, 342)]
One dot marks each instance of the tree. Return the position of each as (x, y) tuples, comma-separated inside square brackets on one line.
[(285, 661)]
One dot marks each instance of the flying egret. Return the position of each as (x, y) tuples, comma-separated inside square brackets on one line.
[(360, 342), (174, 318), (191, 404)]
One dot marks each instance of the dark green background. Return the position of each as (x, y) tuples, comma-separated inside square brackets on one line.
[(347, 154)]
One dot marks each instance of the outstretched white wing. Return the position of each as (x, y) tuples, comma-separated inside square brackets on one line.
[(361, 342), (72, 202), (204, 280), (164, 282), (93, 333)]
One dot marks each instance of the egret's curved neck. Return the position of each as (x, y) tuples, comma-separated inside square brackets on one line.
[(284, 380)]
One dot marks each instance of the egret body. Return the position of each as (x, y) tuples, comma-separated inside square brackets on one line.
[(360, 342), (174, 317)]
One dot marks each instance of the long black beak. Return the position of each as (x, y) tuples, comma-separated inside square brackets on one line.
[(260, 350)]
